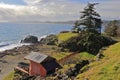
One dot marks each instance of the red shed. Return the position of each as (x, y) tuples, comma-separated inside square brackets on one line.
[(41, 64)]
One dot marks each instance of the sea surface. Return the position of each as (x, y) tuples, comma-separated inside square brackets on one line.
[(12, 33)]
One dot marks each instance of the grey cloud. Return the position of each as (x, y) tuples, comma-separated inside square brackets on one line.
[(41, 10)]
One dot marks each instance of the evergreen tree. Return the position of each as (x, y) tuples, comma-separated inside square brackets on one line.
[(90, 19)]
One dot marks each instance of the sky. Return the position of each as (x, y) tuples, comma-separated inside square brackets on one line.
[(54, 10)]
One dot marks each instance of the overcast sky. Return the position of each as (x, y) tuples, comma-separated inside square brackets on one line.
[(54, 10)]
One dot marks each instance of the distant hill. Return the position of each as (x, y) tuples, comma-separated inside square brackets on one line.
[(60, 22), (105, 22)]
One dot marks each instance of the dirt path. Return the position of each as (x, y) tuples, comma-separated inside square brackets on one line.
[(7, 64), (66, 58)]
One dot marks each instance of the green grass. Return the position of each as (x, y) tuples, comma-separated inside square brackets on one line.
[(107, 68), (66, 36), (10, 76), (85, 56)]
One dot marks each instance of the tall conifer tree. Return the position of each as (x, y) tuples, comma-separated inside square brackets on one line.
[(90, 19)]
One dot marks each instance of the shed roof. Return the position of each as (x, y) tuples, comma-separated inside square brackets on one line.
[(36, 57)]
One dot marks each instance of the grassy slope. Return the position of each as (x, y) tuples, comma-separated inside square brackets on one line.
[(85, 56), (66, 36), (107, 68)]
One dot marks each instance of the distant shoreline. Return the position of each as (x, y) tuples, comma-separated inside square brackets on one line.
[(70, 22), (37, 22)]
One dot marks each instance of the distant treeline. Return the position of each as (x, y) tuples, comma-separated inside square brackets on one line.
[(112, 28)]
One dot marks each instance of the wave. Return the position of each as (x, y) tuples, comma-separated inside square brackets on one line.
[(11, 45), (44, 36), (2, 44), (7, 46)]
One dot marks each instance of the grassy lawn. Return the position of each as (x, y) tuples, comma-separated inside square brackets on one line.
[(10, 76), (107, 68), (85, 56), (66, 36)]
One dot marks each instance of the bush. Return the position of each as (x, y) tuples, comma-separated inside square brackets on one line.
[(71, 44), (87, 41)]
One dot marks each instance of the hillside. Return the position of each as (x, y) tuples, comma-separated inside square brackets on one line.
[(107, 68), (97, 70)]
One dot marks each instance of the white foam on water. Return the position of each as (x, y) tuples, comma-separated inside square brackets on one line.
[(44, 36), (8, 46)]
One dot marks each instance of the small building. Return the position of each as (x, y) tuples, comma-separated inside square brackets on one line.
[(41, 64)]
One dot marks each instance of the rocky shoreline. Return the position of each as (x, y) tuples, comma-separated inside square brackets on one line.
[(10, 58), (25, 49)]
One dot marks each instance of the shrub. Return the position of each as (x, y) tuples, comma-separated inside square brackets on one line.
[(71, 44), (87, 41), (64, 31)]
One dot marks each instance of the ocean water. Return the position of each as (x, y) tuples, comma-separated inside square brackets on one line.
[(12, 33)]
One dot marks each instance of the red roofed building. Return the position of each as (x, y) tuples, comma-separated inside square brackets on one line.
[(41, 64)]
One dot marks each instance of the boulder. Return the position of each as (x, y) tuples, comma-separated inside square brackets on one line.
[(30, 39), (99, 56)]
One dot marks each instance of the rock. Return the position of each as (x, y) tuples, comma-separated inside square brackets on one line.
[(30, 39), (99, 56)]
